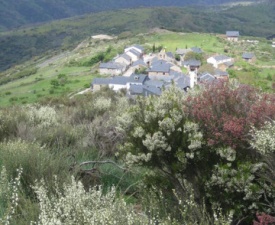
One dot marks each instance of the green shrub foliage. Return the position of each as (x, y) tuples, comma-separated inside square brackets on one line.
[(160, 134)]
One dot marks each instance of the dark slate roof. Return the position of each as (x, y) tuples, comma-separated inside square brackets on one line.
[(151, 90), (110, 65), (119, 80), (144, 90), (175, 74), (101, 81), (125, 56), (170, 54), (247, 55), (206, 77), (183, 82), (154, 60), (228, 64), (136, 89), (164, 68), (113, 80), (220, 57), (197, 50), (221, 73), (139, 62), (155, 83), (157, 61), (135, 52), (232, 33), (160, 66), (137, 78), (192, 62)]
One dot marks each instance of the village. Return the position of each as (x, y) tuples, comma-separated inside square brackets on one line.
[(141, 73)]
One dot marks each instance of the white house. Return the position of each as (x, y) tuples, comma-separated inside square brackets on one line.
[(118, 83), (137, 48), (134, 55), (232, 35), (217, 60)]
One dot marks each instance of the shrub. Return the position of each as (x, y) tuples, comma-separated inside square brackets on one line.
[(41, 116), (159, 136), (164, 137), (9, 119), (9, 192), (36, 161), (225, 112), (76, 206), (264, 219)]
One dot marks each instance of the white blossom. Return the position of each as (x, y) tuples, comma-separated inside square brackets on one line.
[(264, 139)]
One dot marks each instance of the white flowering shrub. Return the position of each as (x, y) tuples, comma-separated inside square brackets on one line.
[(73, 205), (264, 139), (158, 135), (102, 104), (42, 116), (240, 184), (9, 192)]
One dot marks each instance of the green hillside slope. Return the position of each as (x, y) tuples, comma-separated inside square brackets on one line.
[(24, 44), (14, 13), (71, 71)]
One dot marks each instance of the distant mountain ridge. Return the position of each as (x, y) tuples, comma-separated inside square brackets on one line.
[(15, 13)]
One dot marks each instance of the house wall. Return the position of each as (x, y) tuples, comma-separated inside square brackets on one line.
[(117, 87), (215, 63), (212, 61), (122, 61), (233, 39), (157, 74), (168, 59), (97, 87), (132, 47), (133, 56), (110, 71)]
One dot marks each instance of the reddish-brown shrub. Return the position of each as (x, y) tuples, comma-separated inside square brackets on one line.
[(226, 114), (264, 219)]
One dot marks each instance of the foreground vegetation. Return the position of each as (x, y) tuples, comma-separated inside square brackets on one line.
[(104, 158)]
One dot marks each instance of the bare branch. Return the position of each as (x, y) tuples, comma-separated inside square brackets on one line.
[(239, 222)]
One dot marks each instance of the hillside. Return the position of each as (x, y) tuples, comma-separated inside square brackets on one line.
[(70, 72), (15, 13), (23, 44), (104, 158)]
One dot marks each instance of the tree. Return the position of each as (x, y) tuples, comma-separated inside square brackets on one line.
[(193, 55)]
